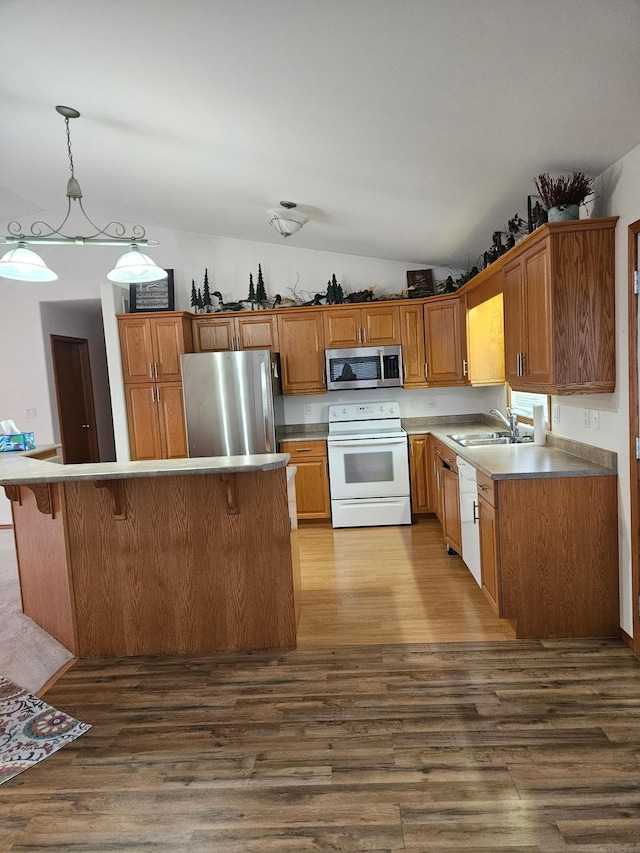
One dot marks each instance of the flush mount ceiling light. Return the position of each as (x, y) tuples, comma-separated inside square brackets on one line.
[(23, 264), (286, 220)]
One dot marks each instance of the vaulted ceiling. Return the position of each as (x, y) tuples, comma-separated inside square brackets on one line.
[(404, 129)]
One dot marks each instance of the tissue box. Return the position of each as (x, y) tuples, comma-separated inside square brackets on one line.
[(19, 441)]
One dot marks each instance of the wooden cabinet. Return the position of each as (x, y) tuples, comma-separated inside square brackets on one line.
[(420, 470), (559, 291), (446, 353), (485, 341), (312, 477), (549, 554), (151, 346), (488, 542), (413, 345), (257, 330), (301, 335), (448, 501), (155, 413), (375, 325)]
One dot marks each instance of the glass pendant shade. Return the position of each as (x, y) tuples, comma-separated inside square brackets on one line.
[(287, 222), (133, 266), (21, 264)]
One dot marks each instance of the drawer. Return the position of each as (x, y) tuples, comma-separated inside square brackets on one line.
[(486, 488), (445, 454), (304, 449)]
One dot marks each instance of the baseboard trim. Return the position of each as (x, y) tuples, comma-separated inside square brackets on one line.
[(626, 638), (49, 684)]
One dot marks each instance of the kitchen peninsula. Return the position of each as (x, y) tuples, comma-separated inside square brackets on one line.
[(162, 557)]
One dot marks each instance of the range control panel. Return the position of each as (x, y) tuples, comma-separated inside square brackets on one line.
[(363, 411)]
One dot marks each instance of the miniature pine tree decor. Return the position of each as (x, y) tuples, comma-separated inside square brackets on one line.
[(252, 292), (194, 295), (261, 293), (199, 302), (206, 294)]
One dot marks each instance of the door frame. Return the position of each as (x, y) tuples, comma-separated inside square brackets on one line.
[(87, 389), (634, 430)]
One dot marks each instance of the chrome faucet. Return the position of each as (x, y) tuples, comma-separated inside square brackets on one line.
[(511, 423)]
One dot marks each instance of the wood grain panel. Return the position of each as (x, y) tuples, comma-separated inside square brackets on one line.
[(485, 342), (413, 345), (171, 336), (445, 342), (514, 343), (381, 325), (584, 307), (179, 573), (136, 346), (45, 580), (301, 335), (538, 313), (142, 416), (559, 556), (489, 553), (342, 327), (419, 470), (258, 332), (213, 334), (173, 432), (451, 509)]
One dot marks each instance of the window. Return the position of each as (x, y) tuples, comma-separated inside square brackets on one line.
[(522, 403)]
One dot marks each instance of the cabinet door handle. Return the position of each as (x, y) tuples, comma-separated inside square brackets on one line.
[(404, 372), (464, 367), (426, 370), (364, 336), (326, 468), (476, 518), (151, 370), (302, 450), (482, 488), (155, 369), (153, 395)]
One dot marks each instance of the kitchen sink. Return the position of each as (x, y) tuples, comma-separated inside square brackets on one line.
[(480, 439)]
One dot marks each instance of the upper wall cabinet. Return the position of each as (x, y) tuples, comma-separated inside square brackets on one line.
[(301, 336), (446, 348), (257, 330), (375, 325), (485, 341), (559, 308), (151, 345)]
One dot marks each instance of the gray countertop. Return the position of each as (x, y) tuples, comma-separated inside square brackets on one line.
[(19, 469), (559, 458)]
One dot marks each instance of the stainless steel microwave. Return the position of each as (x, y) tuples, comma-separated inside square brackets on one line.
[(364, 367)]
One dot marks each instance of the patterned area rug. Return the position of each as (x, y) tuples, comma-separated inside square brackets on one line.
[(30, 730)]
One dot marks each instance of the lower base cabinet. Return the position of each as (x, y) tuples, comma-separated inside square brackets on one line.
[(312, 477), (549, 552), (488, 542), (447, 499), (421, 473)]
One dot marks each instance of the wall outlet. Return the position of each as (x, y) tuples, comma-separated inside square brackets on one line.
[(595, 419), (431, 402), (307, 408), (414, 403), (30, 412), (555, 413), (586, 418)]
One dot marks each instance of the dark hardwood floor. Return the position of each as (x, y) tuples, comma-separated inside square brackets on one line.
[(495, 746), (353, 742)]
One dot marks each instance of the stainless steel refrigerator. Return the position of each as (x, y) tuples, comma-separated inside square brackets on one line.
[(233, 402)]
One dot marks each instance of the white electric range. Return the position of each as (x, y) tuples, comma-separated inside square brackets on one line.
[(368, 465)]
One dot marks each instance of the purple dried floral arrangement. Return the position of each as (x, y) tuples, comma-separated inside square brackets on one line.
[(559, 192)]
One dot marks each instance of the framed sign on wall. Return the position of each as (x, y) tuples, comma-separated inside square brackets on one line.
[(152, 295)]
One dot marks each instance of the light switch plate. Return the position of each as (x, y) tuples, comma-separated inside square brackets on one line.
[(586, 418), (555, 413), (595, 419)]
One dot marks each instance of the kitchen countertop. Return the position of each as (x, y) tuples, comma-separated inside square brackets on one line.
[(19, 468), (500, 462)]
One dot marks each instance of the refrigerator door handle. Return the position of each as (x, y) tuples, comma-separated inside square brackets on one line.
[(265, 382)]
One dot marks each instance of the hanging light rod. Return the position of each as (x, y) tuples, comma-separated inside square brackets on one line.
[(24, 265)]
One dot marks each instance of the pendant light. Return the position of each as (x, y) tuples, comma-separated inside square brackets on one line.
[(23, 264)]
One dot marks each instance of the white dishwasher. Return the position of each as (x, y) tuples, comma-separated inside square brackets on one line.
[(469, 517)]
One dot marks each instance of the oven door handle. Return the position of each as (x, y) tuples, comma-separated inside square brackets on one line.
[(365, 442)]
